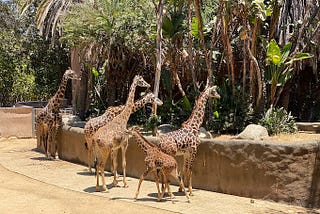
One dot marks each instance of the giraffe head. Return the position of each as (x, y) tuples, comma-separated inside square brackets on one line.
[(151, 98), (141, 82), (71, 74), (212, 92)]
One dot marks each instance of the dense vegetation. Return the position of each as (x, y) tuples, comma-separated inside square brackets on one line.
[(260, 54), (30, 68)]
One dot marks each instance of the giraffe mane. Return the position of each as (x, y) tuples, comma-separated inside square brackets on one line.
[(144, 139)]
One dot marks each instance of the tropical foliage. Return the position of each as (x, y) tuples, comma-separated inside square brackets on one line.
[(257, 52), (28, 64)]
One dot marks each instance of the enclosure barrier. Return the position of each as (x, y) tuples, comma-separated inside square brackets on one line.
[(281, 172), (17, 122)]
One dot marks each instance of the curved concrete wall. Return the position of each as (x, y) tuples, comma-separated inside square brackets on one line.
[(282, 172)]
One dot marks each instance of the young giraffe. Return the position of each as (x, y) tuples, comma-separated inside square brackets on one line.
[(157, 161), (95, 123), (185, 140), (113, 136), (49, 119)]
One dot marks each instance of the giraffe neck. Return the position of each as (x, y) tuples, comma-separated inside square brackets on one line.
[(139, 104), (196, 118), (126, 112), (142, 142), (55, 102)]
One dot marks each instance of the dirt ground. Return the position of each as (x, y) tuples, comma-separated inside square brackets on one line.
[(29, 183), (283, 137)]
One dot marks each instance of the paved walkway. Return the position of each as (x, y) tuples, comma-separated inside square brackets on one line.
[(64, 187)]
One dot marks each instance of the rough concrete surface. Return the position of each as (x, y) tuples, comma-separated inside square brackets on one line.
[(29, 183)]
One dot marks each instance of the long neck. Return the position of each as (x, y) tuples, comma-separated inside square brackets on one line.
[(140, 103), (142, 142), (125, 114), (55, 102), (196, 118)]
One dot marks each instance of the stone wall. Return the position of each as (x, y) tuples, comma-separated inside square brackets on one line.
[(282, 172), (16, 122)]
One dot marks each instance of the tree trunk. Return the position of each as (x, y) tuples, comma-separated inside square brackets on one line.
[(158, 57), (204, 48), (79, 88)]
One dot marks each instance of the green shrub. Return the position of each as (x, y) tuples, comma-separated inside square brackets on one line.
[(233, 112), (278, 120)]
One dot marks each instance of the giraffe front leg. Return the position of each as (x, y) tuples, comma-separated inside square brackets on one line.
[(156, 179), (184, 170), (55, 144), (189, 168), (124, 163), (190, 182), (140, 181)]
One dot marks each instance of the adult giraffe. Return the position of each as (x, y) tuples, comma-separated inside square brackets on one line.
[(185, 141), (49, 119)]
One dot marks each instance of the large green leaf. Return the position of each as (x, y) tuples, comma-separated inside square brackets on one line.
[(274, 53), (285, 52), (195, 27), (186, 102)]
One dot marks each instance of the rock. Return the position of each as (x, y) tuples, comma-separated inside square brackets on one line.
[(72, 120), (204, 133), (165, 128), (253, 132)]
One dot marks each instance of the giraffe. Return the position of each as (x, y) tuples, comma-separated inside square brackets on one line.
[(113, 136), (185, 140), (49, 119), (95, 123), (157, 161)]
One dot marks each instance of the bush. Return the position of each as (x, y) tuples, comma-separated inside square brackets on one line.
[(233, 112), (278, 120)]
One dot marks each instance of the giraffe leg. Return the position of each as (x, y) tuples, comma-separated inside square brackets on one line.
[(89, 158), (178, 178), (114, 157), (49, 143), (156, 179), (184, 170), (140, 181), (55, 143), (101, 165), (97, 177), (189, 168), (124, 162)]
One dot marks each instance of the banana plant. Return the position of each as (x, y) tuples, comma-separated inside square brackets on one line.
[(279, 68)]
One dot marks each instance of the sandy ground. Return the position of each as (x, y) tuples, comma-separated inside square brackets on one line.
[(29, 183)]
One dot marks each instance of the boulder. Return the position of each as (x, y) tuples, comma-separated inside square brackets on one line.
[(253, 132), (204, 133)]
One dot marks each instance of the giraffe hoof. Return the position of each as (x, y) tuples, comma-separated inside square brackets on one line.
[(97, 189)]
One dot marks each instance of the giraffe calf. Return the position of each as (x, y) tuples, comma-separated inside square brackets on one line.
[(157, 161)]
